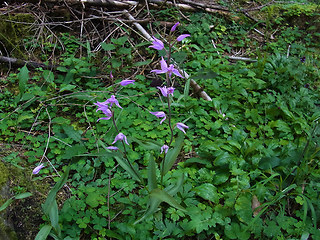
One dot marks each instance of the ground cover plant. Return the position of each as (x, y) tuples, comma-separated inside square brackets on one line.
[(131, 151)]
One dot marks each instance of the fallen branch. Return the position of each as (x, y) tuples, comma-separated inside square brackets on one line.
[(21, 63)]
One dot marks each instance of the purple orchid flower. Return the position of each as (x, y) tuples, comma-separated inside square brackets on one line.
[(126, 82), (174, 27), (102, 106), (113, 100), (166, 69), (183, 36), (160, 115), (157, 44), (108, 114), (164, 149), (182, 126), (120, 137), (37, 169), (165, 91)]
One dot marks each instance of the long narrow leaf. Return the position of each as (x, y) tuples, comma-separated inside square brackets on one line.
[(54, 217), (172, 190), (134, 174), (153, 205), (43, 233), (152, 178), (52, 194), (23, 195), (313, 213), (6, 204), (23, 79), (163, 196), (172, 154)]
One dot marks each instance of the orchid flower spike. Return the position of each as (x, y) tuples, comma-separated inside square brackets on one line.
[(181, 126), (160, 115), (37, 169), (120, 137), (166, 69), (157, 44)]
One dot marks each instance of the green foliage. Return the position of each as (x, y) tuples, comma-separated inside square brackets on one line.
[(250, 162)]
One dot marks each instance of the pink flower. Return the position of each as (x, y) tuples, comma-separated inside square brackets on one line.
[(159, 115), (165, 91), (174, 27), (166, 69), (182, 126), (164, 149), (120, 137), (183, 36), (157, 44), (37, 169), (126, 82)]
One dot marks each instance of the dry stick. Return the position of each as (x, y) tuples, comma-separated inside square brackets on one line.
[(193, 83), (21, 63)]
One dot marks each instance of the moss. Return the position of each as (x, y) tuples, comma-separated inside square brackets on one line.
[(4, 178), (25, 214), (13, 29)]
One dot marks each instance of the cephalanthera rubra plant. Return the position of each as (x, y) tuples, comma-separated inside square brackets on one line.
[(168, 151)]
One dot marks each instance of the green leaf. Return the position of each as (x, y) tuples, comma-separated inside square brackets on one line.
[(120, 40), (72, 133), (267, 163), (6, 204), (163, 196), (43, 233), (153, 205), (172, 154), (133, 172), (156, 197), (107, 47), (23, 195), (208, 192), (66, 87), (23, 77), (142, 63), (54, 217), (52, 194), (173, 189), (152, 177), (148, 145)]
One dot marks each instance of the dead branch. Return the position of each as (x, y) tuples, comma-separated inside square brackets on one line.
[(20, 63)]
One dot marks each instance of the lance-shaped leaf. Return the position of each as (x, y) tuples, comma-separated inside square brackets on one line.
[(173, 189), (23, 79), (149, 145), (133, 172), (156, 197), (172, 154), (50, 207), (44, 232), (152, 178)]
